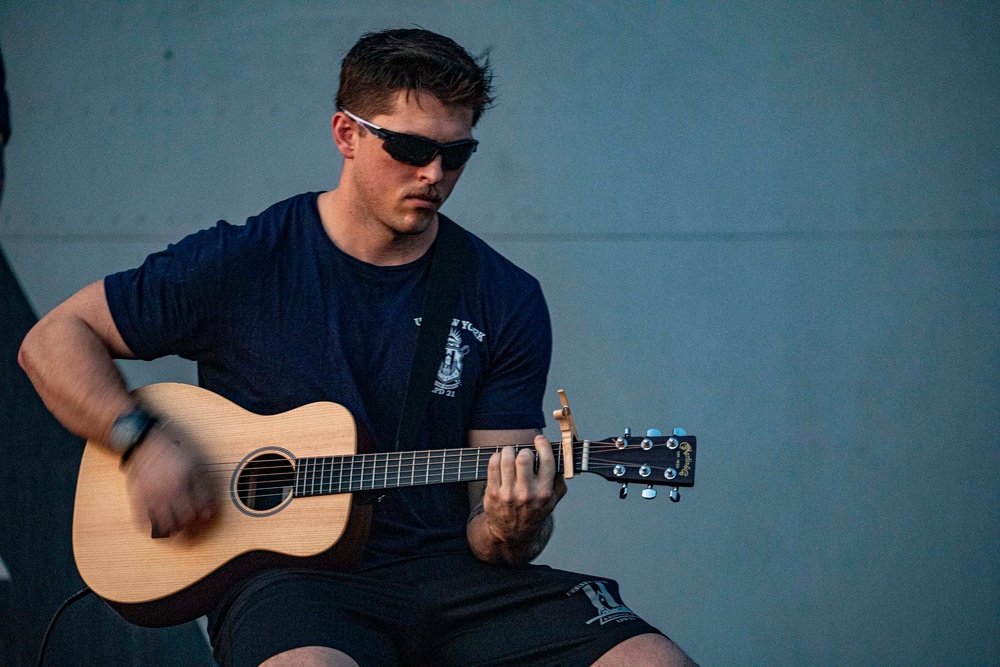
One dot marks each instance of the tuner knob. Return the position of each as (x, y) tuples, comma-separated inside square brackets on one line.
[(628, 432), (675, 494), (623, 492), (653, 433), (649, 492), (680, 431)]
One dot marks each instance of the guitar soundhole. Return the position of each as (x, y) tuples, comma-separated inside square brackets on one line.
[(265, 482)]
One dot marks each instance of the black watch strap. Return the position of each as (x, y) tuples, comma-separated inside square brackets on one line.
[(130, 430)]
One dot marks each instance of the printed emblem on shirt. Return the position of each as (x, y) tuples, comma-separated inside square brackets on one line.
[(449, 376), (609, 607)]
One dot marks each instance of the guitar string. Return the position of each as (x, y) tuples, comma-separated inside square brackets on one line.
[(387, 472), (249, 498), (430, 475), (361, 481), (321, 477), (441, 463), (595, 445), (434, 453)]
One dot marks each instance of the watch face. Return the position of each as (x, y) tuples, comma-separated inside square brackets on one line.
[(127, 429)]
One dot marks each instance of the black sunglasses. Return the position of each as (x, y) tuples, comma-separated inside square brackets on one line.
[(419, 151)]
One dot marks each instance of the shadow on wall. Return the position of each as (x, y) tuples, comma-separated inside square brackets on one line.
[(37, 485)]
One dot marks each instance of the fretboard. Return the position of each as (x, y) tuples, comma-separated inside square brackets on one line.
[(325, 475)]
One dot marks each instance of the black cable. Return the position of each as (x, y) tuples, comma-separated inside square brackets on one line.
[(45, 638)]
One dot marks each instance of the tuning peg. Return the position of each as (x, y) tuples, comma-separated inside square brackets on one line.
[(649, 492), (653, 433), (675, 494), (623, 492), (680, 431)]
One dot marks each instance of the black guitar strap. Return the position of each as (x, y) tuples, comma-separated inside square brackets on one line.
[(452, 255)]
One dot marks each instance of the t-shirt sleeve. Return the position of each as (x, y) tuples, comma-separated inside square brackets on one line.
[(511, 396), (170, 303)]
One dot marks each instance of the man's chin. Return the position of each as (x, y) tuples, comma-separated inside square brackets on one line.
[(414, 223)]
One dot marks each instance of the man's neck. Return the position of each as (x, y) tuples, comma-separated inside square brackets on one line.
[(352, 229)]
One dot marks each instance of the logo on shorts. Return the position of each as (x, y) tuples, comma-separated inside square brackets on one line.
[(609, 607)]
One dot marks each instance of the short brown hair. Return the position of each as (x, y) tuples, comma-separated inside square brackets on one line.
[(385, 62)]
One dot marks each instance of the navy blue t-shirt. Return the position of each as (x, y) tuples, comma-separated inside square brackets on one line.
[(277, 316)]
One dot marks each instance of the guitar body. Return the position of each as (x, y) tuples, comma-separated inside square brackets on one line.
[(159, 581)]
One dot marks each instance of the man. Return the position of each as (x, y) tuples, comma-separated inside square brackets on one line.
[(319, 298)]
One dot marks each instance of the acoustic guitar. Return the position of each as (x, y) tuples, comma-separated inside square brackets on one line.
[(295, 489)]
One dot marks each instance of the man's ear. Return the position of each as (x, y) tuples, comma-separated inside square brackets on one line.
[(345, 135)]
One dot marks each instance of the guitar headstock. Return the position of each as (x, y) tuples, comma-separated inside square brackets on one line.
[(653, 460)]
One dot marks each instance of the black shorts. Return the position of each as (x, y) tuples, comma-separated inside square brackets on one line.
[(448, 609)]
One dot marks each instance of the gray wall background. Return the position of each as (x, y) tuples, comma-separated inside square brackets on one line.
[(777, 226)]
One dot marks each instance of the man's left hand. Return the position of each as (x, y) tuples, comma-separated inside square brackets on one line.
[(521, 492)]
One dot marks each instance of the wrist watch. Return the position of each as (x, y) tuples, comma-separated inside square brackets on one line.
[(129, 431)]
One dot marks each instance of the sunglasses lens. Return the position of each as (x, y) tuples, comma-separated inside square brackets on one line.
[(410, 150), (453, 157), (419, 152)]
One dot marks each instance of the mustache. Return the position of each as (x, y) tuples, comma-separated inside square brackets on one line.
[(430, 194)]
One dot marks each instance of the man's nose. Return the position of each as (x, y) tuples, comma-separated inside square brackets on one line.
[(432, 172)]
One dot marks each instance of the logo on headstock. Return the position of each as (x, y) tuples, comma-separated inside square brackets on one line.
[(686, 452)]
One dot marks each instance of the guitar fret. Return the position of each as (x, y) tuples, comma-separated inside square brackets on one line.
[(325, 475)]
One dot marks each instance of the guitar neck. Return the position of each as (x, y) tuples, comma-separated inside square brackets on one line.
[(318, 476)]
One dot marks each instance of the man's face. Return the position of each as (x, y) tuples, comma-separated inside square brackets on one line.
[(402, 197)]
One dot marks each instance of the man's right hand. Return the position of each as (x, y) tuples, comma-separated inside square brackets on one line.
[(168, 484)]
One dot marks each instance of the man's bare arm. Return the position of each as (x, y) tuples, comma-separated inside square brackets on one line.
[(69, 358), (511, 517)]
